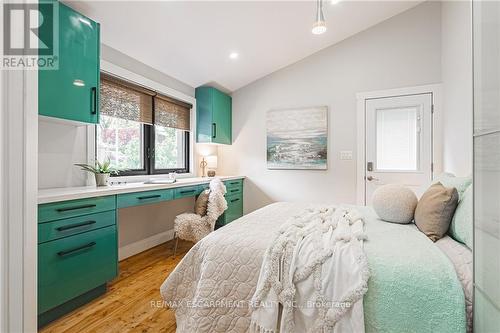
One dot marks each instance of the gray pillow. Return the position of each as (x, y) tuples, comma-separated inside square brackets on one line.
[(435, 210), (394, 203)]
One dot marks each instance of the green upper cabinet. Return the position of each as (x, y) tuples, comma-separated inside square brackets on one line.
[(72, 91), (213, 116)]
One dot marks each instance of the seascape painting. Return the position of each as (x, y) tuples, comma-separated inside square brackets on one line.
[(297, 138)]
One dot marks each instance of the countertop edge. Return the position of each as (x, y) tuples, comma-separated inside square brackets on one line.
[(46, 196)]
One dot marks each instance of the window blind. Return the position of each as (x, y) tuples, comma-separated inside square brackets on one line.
[(122, 99), (172, 113)]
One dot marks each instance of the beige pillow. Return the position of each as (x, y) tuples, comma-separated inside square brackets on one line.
[(435, 210), (200, 207)]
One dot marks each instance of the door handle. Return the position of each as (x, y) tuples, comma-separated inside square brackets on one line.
[(214, 130), (370, 178), (93, 94)]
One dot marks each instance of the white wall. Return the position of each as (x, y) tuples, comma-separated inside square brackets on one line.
[(402, 51), (456, 62)]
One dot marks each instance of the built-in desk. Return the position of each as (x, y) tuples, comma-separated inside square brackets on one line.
[(78, 241)]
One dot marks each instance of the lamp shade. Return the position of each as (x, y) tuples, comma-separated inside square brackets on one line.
[(212, 161)]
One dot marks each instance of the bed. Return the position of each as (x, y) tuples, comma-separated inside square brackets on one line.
[(413, 287)]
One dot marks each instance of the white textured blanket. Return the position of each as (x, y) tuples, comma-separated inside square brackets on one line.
[(314, 275)]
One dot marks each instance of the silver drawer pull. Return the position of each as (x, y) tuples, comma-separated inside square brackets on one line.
[(83, 247), (76, 225)]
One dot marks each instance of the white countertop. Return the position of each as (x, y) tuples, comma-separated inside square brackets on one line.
[(71, 193)]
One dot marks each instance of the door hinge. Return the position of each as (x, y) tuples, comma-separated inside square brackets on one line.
[(432, 108), (432, 167)]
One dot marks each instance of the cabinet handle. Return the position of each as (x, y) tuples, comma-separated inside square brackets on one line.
[(234, 183), (234, 200), (76, 225), (235, 190), (93, 93), (214, 130), (83, 247), (185, 192), (61, 210), (149, 197)]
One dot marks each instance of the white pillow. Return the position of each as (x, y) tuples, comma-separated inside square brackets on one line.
[(394, 203)]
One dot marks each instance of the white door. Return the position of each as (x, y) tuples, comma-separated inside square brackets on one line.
[(398, 142)]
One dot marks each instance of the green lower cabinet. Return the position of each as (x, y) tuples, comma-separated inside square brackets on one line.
[(186, 191), (234, 207), (143, 198), (72, 266)]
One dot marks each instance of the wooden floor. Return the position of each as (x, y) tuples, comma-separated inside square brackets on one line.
[(127, 306)]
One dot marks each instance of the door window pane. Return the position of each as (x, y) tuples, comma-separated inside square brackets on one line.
[(397, 139), (121, 141), (170, 148)]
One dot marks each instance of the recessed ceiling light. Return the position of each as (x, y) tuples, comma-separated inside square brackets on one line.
[(233, 55)]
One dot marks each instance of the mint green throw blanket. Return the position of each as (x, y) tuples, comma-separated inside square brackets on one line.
[(413, 285)]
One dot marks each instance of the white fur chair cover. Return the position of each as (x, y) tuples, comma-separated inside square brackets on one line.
[(193, 227)]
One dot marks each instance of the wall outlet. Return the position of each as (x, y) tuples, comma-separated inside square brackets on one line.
[(346, 155)]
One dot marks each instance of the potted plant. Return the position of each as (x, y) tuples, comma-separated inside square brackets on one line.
[(101, 171)]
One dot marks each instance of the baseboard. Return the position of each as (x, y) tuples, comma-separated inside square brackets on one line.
[(144, 244)]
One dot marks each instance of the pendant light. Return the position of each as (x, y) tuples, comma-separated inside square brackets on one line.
[(319, 25)]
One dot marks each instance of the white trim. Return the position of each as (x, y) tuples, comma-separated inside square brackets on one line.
[(437, 153), (19, 200), (141, 80), (145, 244)]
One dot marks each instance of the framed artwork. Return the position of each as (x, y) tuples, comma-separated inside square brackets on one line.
[(297, 138)]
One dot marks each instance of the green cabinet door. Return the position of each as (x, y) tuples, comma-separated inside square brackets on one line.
[(72, 91), (222, 118), (213, 116)]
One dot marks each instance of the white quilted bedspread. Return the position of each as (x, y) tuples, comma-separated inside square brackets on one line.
[(223, 267)]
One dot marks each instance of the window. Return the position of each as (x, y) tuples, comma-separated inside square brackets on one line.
[(141, 131), (397, 139)]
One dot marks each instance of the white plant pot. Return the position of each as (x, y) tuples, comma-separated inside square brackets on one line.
[(101, 179)]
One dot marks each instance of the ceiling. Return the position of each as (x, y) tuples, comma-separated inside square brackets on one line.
[(191, 40)]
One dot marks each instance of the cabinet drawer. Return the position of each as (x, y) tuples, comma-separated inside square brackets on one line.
[(233, 191), (143, 198), (72, 208), (71, 266), (235, 183), (75, 225), (187, 191), (234, 208)]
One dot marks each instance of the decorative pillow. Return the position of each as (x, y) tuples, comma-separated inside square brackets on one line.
[(201, 204), (394, 203), (461, 224), (449, 180), (435, 210)]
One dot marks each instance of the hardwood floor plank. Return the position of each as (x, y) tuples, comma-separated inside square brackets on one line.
[(126, 306)]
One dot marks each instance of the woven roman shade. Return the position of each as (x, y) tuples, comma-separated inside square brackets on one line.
[(122, 99), (172, 113)]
